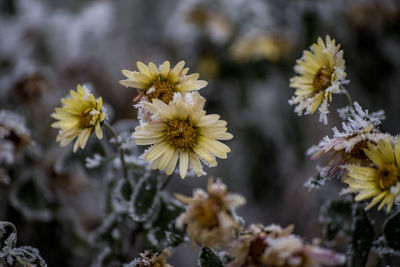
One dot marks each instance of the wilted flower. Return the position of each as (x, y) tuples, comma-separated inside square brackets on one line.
[(273, 246), (163, 83), (182, 127), (380, 181), (80, 115), (210, 216), (149, 259), (13, 136), (249, 248), (320, 74), (347, 147)]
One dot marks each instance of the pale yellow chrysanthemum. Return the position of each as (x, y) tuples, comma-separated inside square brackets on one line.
[(182, 129), (163, 83), (209, 217), (260, 47), (320, 74), (80, 115), (380, 181)]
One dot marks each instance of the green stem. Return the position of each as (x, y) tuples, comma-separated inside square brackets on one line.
[(121, 150), (166, 182), (348, 96)]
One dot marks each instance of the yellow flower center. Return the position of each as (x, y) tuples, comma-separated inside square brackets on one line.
[(322, 78), (181, 134), (85, 119), (161, 89), (387, 176), (206, 212)]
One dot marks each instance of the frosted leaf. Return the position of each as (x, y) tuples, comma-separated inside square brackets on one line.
[(121, 196), (31, 197), (208, 258), (145, 199), (10, 255)]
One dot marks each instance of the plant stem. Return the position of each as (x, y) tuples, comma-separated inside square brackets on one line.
[(348, 98), (166, 182), (121, 150)]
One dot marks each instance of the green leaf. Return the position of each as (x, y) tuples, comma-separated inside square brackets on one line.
[(209, 259), (145, 199), (336, 216), (163, 231), (362, 238), (391, 231)]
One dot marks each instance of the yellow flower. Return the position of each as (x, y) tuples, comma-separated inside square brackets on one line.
[(380, 181), (80, 115), (209, 217), (320, 74), (260, 47), (163, 83), (182, 127)]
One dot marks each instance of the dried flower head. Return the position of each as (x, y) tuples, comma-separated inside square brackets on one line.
[(14, 136), (210, 215), (273, 246), (381, 180), (182, 127), (163, 83), (320, 74), (292, 252), (249, 248), (80, 115), (149, 259), (347, 147)]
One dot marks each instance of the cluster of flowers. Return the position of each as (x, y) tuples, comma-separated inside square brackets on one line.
[(171, 116), (363, 157), (211, 222)]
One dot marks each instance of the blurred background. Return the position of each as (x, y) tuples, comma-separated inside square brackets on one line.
[(245, 49)]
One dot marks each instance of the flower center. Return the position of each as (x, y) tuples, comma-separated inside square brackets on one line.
[(161, 89), (181, 134), (206, 212), (387, 176), (85, 119), (358, 150), (322, 79)]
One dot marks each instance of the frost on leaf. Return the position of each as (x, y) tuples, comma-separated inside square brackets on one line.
[(162, 231), (145, 198), (209, 259), (362, 238), (10, 255), (336, 217), (31, 198)]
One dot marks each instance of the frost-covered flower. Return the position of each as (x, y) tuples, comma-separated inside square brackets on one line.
[(291, 251), (260, 47), (80, 115), (163, 82), (347, 146), (182, 129), (149, 259), (249, 248), (210, 217), (273, 246), (13, 135), (381, 180), (320, 74)]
